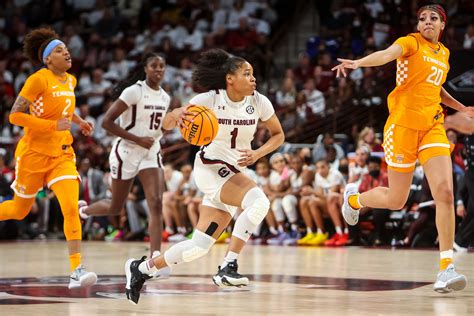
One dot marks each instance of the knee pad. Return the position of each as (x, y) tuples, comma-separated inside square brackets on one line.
[(258, 211), (189, 250), (255, 204)]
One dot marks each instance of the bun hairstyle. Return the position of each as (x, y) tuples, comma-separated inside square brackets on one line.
[(212, 68)]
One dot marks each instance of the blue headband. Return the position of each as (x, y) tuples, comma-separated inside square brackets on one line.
[(49, 48)]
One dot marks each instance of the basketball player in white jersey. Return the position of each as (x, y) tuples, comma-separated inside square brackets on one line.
[(142, 107), (218, 170)]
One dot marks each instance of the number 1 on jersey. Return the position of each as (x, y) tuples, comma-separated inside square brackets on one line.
[(234, 137)]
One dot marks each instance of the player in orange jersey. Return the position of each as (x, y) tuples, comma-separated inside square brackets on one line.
[(414, 130), (44, 156)]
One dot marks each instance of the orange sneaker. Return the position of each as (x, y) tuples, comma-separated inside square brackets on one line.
[(342, 241), (332, 242)]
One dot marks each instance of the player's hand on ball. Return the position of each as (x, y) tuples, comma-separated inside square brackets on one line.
[(86, 127), (146, 142), (345, 63), (183, 117), (247, 157)]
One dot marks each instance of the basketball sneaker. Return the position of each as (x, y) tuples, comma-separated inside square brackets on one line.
[(351, 216), (305, 240), (449, 280), (135, 279), (80, 278), (82, 206), (228, 276)]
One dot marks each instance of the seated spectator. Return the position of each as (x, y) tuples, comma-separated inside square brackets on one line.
[(368, 138), (315, 100), (286, 95), (358, 168), (375, 177), (322, 143)]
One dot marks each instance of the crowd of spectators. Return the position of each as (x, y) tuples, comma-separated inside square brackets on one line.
[(338, 118)]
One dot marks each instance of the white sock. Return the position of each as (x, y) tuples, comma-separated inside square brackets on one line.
[(147, 267), (155, 254), (319, 231), (169, 230), (273, 230), (346, 230), (181, 230), (309, 230), (338, 230), (231, 256), (281, 229), (294, 227), (447, 254)]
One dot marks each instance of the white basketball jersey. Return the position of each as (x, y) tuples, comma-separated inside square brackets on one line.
[(237, 123), (146, 109)]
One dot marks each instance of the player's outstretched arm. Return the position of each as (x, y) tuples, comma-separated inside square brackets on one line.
[(460, 122), (378, 58), (448, 100)]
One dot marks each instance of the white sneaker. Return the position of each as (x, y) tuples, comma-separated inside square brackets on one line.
[(82, 207), (163, 273), (459, 248), (80, 278), (449, 280), (177, 238), (351, 216)]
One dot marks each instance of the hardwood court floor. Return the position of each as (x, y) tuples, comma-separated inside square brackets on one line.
[(284, 281)]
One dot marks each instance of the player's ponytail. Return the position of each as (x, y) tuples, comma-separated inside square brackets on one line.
[(137, 74), (212, 68), (36, 41)]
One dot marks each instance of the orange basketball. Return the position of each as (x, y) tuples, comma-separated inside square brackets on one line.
[(204, 127)]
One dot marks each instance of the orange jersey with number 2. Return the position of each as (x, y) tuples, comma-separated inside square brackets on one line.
[(51, 99), (421, 71)]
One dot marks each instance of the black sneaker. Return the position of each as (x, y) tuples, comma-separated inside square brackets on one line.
[(135, 279), (228, 276)]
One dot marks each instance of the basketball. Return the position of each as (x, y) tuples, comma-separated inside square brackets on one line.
[(204, 128)]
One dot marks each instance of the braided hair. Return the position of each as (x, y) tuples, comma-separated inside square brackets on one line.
[(137, 74)]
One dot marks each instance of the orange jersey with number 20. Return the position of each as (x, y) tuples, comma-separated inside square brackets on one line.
[(421, 71)]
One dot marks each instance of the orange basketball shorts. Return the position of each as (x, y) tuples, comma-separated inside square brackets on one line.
[(34, 170), (403, 146)]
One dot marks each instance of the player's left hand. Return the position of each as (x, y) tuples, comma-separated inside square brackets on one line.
[(247, 157), (468, 110), (86, 127)]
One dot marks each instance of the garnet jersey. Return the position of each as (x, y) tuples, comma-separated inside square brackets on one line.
[(421, 71), (51, 99), (146, 110), (237, 122)]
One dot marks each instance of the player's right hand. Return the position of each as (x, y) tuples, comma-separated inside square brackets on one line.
[(146, 142), (63, 124)]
